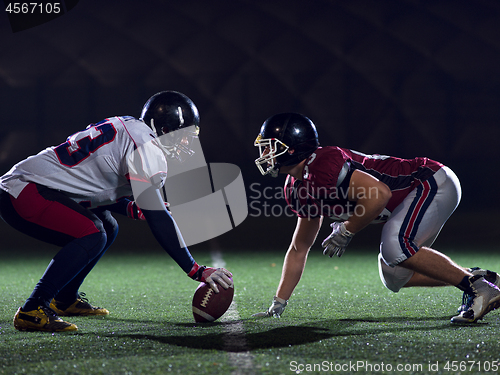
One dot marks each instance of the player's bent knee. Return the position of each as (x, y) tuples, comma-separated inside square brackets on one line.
[(111, 227), (393, 278), (93, 243)]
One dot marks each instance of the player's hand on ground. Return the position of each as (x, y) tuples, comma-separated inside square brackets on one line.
[(337, 241), (276, 308), (220, 276)]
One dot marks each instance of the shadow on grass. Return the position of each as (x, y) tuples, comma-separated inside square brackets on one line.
[(237, 338), (241, 342)]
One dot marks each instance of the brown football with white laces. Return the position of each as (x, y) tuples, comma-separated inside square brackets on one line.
[(209, 306)]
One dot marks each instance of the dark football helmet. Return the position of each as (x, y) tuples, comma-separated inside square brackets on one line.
[(281, 133), (174, 119)]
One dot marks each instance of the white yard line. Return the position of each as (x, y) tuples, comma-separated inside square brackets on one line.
[(235, 341)]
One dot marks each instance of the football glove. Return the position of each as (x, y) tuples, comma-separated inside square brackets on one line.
[(276, 308), (134, 212), (337, 241), (211, 275)]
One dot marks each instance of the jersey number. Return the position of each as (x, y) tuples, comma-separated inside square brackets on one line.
[(79, 146)]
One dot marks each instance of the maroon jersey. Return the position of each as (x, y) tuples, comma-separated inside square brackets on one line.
[(327, 173)]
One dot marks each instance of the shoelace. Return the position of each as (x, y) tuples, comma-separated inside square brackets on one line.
[(467, 300), (48, 311), (83, 297)]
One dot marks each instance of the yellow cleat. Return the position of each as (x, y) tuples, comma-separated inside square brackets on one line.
[(41, 319), (81, 307)]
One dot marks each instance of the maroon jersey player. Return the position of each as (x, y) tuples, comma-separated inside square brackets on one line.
[(412, 197)]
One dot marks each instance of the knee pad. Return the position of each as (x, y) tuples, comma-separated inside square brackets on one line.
[(390, 247), (394, 278)]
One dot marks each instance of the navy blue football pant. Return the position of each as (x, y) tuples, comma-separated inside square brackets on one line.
[(52, 217)]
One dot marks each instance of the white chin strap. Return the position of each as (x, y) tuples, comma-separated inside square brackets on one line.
[(273, 172)]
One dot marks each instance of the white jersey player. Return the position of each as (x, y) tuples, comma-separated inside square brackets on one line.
[(65, 195), (92, 166)]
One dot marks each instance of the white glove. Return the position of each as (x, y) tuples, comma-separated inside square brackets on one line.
[(276, 309), (336, 242), (220, 275)]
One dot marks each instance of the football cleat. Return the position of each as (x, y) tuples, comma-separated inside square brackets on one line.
[(41, 319), (485, 298), (490, 276), (81, 307)]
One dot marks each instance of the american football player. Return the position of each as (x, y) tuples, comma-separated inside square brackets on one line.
[(65, 195), (412, 197)]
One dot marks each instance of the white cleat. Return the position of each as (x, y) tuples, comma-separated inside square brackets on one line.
[(490, 276), (485, 298)]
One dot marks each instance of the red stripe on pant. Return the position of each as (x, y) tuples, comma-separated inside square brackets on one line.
[(425, 194), (31, 206)]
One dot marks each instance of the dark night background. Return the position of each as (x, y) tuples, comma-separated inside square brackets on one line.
[(403, 77)]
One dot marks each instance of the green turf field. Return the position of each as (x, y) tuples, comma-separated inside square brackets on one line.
[(340, 320)]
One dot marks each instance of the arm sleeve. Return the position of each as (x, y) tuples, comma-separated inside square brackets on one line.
[(165, 229)]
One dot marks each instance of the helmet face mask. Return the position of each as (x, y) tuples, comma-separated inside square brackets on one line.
[(285, 139), (269, 149), (174, 119), (176, 144)]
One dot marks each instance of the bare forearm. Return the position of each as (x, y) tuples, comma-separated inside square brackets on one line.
[(365, 212), (370, 196), (293, 267), (296, 256)]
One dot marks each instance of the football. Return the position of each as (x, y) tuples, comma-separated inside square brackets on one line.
[(209, 306)]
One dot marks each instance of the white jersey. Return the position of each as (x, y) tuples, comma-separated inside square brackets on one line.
[(94, 166)]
